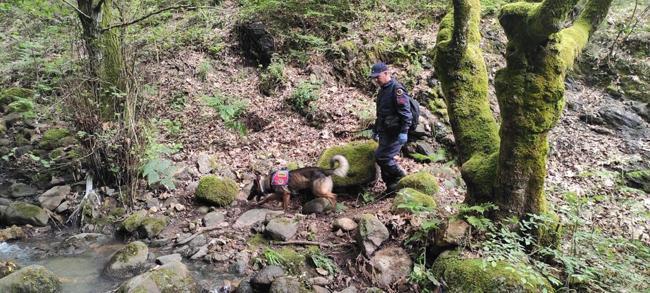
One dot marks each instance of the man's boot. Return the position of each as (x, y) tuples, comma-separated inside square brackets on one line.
[(393, 176)]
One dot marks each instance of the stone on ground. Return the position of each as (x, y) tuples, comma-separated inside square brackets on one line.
[(281, 229), (639, 179), (452, 233), (142, 225), (204, 164), (408, 199), (251, 217), (128, 261), (421, 181), (345, 224), (18, 190), (216, 191), (286, 285), (31, 279), (52, 198), (171, 277), (392, 266), (11, 233), (165, 259), (317, 206), (212, 219), (360, 155), (263, 279), (371, 233), (21, 213)]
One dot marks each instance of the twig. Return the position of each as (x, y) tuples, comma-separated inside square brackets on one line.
[(190, 7), (188, 239), (321, 244), (77, 9)]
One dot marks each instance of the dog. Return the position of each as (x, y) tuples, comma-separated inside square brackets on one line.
[(282, 185)]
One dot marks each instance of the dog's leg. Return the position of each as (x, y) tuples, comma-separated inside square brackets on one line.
[(285, 200)]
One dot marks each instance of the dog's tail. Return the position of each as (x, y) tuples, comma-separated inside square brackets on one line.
[(343, 168)]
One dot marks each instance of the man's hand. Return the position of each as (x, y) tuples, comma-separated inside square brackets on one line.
[(375, 136), (402, 138)]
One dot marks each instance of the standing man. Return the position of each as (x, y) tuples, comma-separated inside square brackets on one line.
[(393, 121)]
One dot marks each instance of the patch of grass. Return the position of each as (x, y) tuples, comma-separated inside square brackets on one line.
[(204, 68), (229, 110)]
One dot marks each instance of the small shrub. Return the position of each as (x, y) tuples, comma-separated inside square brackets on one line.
[(229, 110), (204, 68), (303, 96), (273, 77)]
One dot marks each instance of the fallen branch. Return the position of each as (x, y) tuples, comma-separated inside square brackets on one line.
[(189, 7), (188, 239), (321, 244)]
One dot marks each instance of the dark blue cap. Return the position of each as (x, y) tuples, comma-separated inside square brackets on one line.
[(377, 69)]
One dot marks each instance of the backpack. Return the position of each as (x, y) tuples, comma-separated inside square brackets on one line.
[(415, 109)]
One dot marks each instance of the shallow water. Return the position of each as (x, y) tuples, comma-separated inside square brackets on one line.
[(79, 273)]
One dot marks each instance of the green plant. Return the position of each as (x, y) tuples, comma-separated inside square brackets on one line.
[(204, 68), (475, 215), (367, 197), (159, 171), (174, 127), (303, 97), (272, 257), (273, 76), (229, 110), (439, 156), (319, 260)]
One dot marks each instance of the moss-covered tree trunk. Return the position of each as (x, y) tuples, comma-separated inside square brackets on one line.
[(510, 171)]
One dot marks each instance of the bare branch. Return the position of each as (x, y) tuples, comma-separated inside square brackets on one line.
[(189, 7), (77, 9)]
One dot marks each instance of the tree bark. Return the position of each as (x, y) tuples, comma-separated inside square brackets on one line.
[(509, 168)]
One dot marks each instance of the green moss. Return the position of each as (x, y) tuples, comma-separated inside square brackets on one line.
[(476, 275), (360, 155), (54, 137), (33, 278), (413, 198), (479, 174), (3, 127), (421, 181), (132, 222), (20, 105), (292, 261), (216, 191), (550, 233), (257, 240), (152, 226), (56, 153), (293, 166), (12, 94), (639, 179), (130, 250)]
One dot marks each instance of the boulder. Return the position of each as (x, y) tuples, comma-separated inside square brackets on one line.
[(452, 233), (212, 219), (421, 181), (18, 190), (360, 155), (619, 117), (281, 229), (204, 163), (54, 138), (21, 213), (251, 217), (11, 233), (171, 277), (317, 206), (165, 259), (31, 279), (142, 225), (256, 42), (52, 198), (216, 191), (371, 233), (461, 274), (345, 224), (128, 261), (263, 279), (639, 179), (286, 285), (411, 200), (391, 266)]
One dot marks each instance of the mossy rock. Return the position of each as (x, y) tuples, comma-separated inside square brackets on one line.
[(172, 277), (22, 213), (128, 261), (31, 279), (360, 155), (421, 181), (476, 275), (10, 95), (141, 225), (413, 198), (56, 137), (216, 191), (20, 105), (639, 179)]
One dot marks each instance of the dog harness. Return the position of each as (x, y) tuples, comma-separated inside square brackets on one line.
[(280, 178)]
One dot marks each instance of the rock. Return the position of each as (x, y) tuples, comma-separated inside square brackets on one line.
[(286, 285), (422, 148), (421, 181), (256, 42), (618, 117), (80, 243), (12, 118), (198, 242), (21, 213), (216, 191), (452, 234), (371, 233), (281, 229), (319, 289), (414, 200), (317, 206), (470, 275), (319, 281), (152, 203), (245, 286), (31, 279), (212, 219), (5, 201), (171, 277), (350, 289), (11, 233), (345, 224), (141, 225), (392, 266), (250, 217), (8, 267), (3, 127), (52, 198), (165, 259), (22, 190), (128, 261), (64, 206), (54, 138), (360, 155), (241, 263), (642, 109), (639, 179), (204, 164), (262, 280)]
